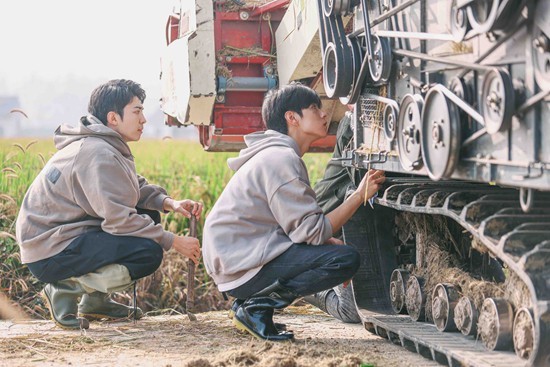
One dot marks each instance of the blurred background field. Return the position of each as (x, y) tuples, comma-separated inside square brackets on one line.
[(180, 166)]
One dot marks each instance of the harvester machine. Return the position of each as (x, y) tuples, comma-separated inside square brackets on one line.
[(451, 99)]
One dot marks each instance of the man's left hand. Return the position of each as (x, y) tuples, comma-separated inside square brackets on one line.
[(334, 241), (185, 207)]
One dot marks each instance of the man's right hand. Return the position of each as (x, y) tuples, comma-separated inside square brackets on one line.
[(188, 247)]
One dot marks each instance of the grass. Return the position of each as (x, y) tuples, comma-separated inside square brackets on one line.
[(182, 167)]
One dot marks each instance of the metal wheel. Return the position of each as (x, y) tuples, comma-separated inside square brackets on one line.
[(328, 7), (390, 122), (444, 299), (398, 282), (415, 299), (380, 60), (440, 135), (497, 101), (465, 316), (495, 324), (357, 58), (459, 22), (541, 58), (408, 132), (524, 333), (540, 41), (332, 62), (482, 14), (459, 87), (338, 7)]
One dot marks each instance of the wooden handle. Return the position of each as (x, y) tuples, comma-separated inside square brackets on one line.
[(189, 304)]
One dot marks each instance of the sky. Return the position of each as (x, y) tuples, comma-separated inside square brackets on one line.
[(65, 48)]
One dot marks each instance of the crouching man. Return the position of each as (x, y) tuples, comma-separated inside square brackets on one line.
[(89, 224), (266, 240)]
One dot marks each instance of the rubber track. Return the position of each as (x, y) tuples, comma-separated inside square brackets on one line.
[(493, 215)]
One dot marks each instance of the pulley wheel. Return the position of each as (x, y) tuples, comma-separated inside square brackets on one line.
[(462, 90), (328, 7), (398, 282), (338, 7), (332, 63), (444, 299), (380, 60), (390, 122), (541, 58), (459, 22), (495, 324), (482, 15), (497, 101), (465, 316), (440, 135), (524, 333), (356, 58), (415, 299), (408, 132)]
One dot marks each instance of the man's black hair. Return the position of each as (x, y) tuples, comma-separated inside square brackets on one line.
[(114, 96), (293, 97)]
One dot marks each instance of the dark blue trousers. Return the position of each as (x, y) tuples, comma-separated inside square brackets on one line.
[(93, 250), (304, 269)]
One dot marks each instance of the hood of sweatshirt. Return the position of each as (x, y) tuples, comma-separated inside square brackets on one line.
[(259, 141), (90, 126)]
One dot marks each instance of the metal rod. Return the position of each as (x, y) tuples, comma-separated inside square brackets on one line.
[(532, 102), (441, 60), (386, 15), (500, 41), (474, 136), (416, 35)]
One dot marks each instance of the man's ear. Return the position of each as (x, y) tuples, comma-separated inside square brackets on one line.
[(112, 118), (291, 119)]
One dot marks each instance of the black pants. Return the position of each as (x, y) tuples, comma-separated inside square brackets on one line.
[(93, 250), (304, 269)]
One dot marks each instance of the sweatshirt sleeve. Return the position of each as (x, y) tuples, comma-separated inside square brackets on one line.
[(106, 189), (150, 196), (296, 210)]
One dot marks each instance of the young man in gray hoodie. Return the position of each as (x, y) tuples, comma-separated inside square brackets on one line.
[(266, 240), (89, 224)]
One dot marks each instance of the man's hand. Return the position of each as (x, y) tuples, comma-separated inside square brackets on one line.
[(185, 207), (334, 241), (188, 247), (375, 180)]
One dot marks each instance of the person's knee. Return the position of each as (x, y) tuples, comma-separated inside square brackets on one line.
[(156, 255), (351, 260), (147, 260)]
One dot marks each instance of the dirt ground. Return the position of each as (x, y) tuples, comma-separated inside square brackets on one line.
[(212, 340)]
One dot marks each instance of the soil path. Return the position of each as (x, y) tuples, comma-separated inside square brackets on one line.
[(174, 341)]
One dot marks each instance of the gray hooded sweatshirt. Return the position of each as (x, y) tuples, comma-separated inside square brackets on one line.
[(90, 184), (266, 207)]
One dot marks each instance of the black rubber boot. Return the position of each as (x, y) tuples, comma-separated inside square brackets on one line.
[(61, 298), (255, 315), (237, 302), (98, 305)]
